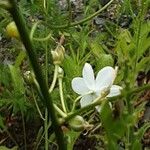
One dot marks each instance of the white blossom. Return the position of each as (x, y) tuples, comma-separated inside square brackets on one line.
[(91, 88)]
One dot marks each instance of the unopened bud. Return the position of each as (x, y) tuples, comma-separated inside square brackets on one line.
[(78, 124), (58, 54), (12, 31)]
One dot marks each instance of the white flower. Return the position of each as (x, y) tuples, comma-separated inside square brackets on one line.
[(90, 88)]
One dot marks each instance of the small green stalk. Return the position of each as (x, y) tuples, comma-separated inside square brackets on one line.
[(54, 79), (62, 95), (37, 106), (46, 129), (96, 102), (60, 111), (75, 101)]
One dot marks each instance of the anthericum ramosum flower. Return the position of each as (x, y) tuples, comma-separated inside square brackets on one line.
[(91, 88)]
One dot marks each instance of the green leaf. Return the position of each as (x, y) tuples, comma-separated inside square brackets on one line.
[(136, 145), (96, 48), (17, 80), (139, 135), (20, 58), (71, 138), (104, 60), (5, 148), (144, 64), (114, 127)]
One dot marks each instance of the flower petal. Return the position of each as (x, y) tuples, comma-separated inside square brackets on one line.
[(87, 99), (114, 91), (105, 77), (88, 76), (79, 86), (98, 108)]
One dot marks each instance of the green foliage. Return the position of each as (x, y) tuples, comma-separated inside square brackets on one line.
[(127, 48)]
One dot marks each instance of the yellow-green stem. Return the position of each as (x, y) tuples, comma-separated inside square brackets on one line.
[(61, 95), (54, 79)]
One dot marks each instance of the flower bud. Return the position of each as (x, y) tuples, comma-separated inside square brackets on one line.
[(12, 31), (58, 54), (77, 123)]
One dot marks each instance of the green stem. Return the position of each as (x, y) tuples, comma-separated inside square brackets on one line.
[(98, 101), (46, 129), (74, 104), (61, 94), (54, 79), (47, 101), (60, 111), (36, 104), (83, 20), (46, 62)]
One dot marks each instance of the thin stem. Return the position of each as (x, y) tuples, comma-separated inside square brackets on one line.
[(60, 111), (46, 62), (44, 38), (61, 94), (47, 101), (55, 106), (46, 129), (98, 101), (54, 79), (33, 29), (36, 104), (83, 20), (77, 99), (74, 104), (39, 39)]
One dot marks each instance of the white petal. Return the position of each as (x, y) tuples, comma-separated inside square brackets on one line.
[(105, 77), (86, 100), (88, 76), (98, 108), (79, 86), (114, 91)]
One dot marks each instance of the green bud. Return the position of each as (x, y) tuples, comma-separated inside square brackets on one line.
[(78, 124), (58, 54)]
